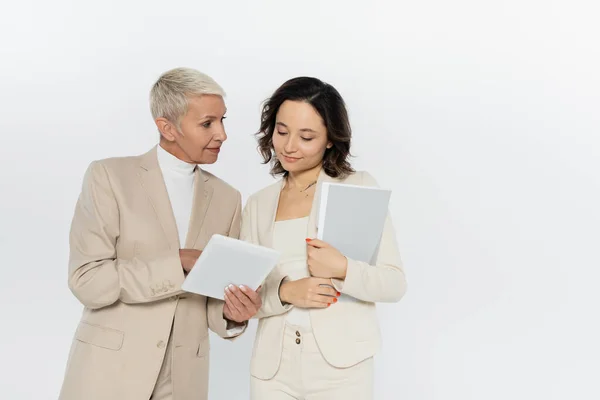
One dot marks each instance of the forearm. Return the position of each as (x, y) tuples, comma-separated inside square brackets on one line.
[(98, 284), (272, 304), (384, 283)]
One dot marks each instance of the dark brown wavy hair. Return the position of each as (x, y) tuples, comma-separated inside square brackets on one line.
[(328, 103)]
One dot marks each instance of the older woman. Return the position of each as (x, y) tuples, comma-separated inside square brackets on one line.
[(138, 229)]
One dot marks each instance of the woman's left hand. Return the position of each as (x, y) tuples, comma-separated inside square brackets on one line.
[(325, 261)]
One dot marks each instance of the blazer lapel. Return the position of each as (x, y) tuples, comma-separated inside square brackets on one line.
[(313, 218), (268, 207), (153, 183), (202, 196)]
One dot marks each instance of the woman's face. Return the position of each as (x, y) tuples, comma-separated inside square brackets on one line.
[(300, 136), (201, 133)]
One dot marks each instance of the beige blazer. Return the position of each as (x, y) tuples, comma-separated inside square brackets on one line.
[(125, 269), (346, 332)]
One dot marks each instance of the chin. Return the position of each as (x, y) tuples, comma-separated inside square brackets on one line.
[(209, 159)]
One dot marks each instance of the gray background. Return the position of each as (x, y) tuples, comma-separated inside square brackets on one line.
[(481, 116)]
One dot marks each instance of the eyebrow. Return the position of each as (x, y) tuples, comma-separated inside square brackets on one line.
[(212, 116), (301, 130), (209, 117)]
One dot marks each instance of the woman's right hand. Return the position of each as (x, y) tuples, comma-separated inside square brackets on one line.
[(308, 293)]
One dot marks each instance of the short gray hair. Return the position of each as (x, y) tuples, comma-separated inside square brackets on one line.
[(169, 95)]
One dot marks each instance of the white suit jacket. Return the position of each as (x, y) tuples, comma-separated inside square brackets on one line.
[(346, 332)]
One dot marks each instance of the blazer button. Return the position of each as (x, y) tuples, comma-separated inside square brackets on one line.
[(297, 341), (160, 345), (298, 333)]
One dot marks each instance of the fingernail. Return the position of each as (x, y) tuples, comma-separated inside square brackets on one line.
[(308, 240), (335, 300), (328, 304), (227, 288), (338, 294), (242, 287)]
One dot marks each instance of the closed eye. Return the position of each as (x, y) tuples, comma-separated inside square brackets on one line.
[(282, 133), (307, 139)]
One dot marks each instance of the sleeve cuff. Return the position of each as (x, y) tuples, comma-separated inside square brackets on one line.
[(234, 329), (339, 284), (284, 306)]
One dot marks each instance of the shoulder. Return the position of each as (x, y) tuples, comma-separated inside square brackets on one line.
[(110, 168), (265, 194), (222, 188), (117, 164), (362, 178)]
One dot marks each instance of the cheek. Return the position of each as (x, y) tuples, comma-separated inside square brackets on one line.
[(313, 149), (198, 136), (277, 143)]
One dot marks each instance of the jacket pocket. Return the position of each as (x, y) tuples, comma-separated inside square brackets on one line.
[(203, 348), (100, 336)]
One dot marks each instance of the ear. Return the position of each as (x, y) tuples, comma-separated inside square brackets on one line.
[(166, 128), (329, 145)]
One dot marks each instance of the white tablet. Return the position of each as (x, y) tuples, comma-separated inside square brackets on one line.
[(227, 261)]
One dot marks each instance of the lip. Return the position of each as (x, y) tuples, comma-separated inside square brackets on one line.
[(290, 159), (215, 150)]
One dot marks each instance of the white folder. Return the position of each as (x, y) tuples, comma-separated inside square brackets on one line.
[(227, 261), (352, 218)]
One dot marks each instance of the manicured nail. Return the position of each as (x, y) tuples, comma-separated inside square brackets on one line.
[(243, 287), (328, 304), (335, 300), (338, 294), (227, 288), (308, 240)]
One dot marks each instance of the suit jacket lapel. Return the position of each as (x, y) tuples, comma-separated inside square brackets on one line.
[(202, 196), (268, 207), (154, 185), (313, 217)]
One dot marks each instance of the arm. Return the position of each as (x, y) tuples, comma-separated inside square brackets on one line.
[(271, 302), (97, 277), (216, 320), (269, 292), (383, 282)]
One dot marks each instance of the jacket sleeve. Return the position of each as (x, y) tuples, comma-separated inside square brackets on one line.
[(97, 277), (269, 292), (383, 282), (216, 321)]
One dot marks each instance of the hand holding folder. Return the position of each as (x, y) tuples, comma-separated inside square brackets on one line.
[(352, 218), (351, 222)]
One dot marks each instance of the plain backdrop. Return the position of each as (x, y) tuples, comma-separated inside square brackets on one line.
[(482, 117)]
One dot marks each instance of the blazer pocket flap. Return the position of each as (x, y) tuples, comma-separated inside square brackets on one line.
[(100, 336), (203, 348)]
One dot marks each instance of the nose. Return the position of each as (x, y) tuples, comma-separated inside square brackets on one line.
[(290, 144), (221, 135)]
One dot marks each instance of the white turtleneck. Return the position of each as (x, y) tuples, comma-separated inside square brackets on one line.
[(179, 180)]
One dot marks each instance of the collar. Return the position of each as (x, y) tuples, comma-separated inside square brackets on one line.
[(168, 162)]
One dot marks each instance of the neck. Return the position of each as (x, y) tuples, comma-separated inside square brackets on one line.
[(174, 149), (302, 179)]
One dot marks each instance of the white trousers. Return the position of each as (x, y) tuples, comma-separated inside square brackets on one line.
[(305, 375)]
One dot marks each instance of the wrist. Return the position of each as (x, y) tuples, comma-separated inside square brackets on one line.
[(283, 292), (341, 274)]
